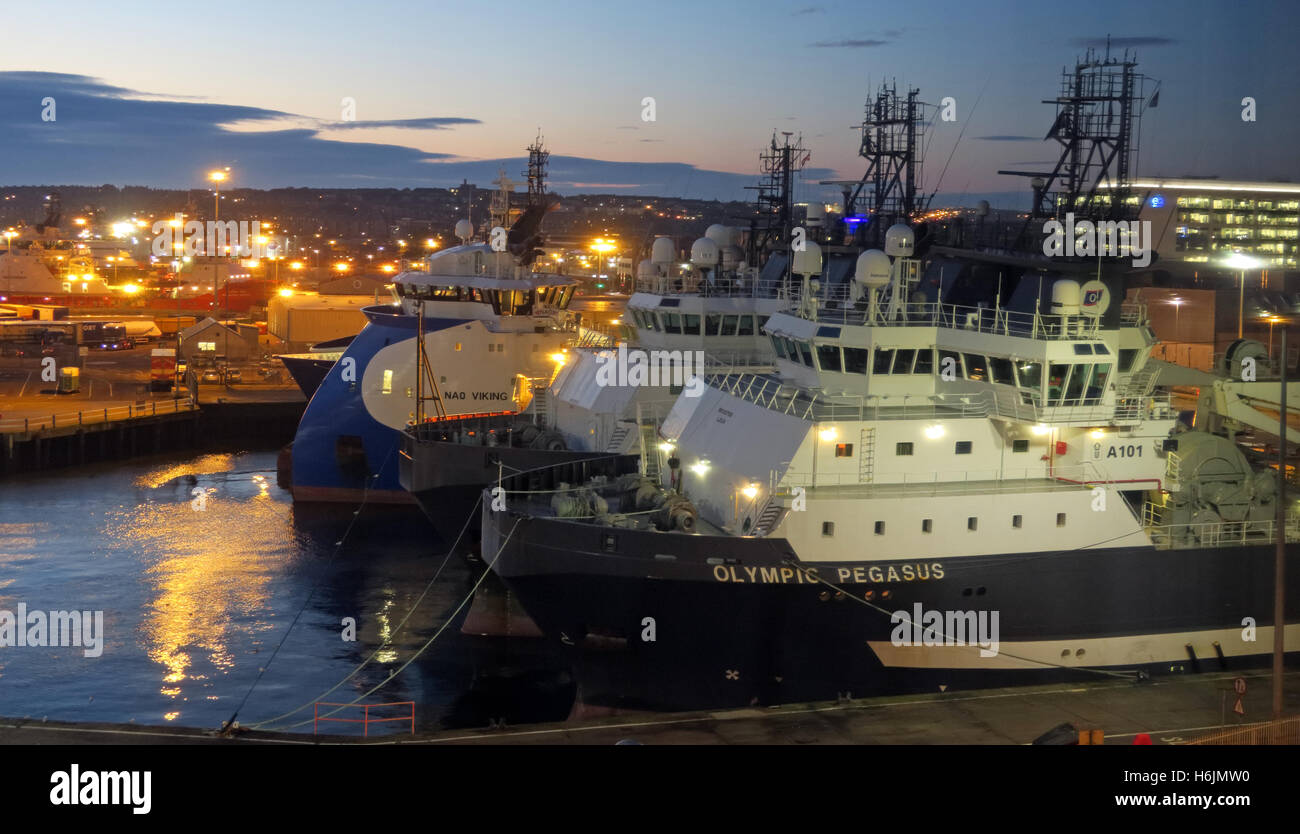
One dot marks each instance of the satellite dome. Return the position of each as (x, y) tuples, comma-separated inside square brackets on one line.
[(732, 256), (719, 234), (1065, 298), (809, 261), (704, 253), (900, 241), (464, 229), (873, 269), (982, 208), (646, 269), (816, 214), (663, 251)]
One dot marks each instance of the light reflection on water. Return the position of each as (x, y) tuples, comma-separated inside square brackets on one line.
[(196, 600)]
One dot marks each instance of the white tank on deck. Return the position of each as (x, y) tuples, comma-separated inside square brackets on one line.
[(1065, 298), (900, 241), (873, 269), (662, 251), (704, 253), (732, 257), (719, 234), (809, 261)]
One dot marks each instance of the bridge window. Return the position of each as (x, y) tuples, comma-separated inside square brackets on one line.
[(778, 344), (1030, 375), (1126, 357), (855, 360), (713, 325), (673, 323), (924, 362), (884, 358), (949, 364), (1056, 375), (828, 357), (806, 351), (1001, 370), (729, 325), (1074, 389), (746, 327), (976, 367), (903, 361), (691, 324)]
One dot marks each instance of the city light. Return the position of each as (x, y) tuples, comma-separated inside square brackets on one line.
[(750, 491), (829, 434), (285, 292), (934, 432), (1239, 260)]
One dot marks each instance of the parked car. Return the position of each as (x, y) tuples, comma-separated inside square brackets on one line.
[(211, 375), (233, 375)]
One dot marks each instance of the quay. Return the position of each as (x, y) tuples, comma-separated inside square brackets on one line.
[(1172, 711)]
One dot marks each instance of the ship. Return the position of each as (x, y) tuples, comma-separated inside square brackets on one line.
[(963, 473), (682, 323), (495, 331)]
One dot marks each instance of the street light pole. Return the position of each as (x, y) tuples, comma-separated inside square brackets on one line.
[(1279, 562)]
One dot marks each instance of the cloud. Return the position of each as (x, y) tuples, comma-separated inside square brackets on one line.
[(109, 134), (850, 44), (1009, 138), (427, 123), (1149, 40)]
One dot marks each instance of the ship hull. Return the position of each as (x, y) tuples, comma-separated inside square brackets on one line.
[(733, 621), (446, 479)]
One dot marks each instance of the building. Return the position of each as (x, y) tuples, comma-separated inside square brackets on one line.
[(216, 340), (1206, 220), (300, 320)]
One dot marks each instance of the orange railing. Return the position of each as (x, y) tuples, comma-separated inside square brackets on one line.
[(365, 720)]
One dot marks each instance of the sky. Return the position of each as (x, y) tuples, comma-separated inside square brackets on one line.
[(157, 95)]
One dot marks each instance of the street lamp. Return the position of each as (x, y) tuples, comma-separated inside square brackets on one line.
[(1241, 262), (217, 177), (1178, 304)]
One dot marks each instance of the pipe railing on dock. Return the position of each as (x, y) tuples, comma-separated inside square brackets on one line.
[(365, 720), (92, 416)]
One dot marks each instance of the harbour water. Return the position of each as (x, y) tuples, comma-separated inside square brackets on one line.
[(200, 565)]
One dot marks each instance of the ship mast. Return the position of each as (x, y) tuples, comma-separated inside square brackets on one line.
[(1098, 121), (889, 191)]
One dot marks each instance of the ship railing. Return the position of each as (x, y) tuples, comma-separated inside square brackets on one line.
[(1221, 533), (92, 416), (836, 306), (769, 392), (724, 286), (953, 481), (1133, 314)]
